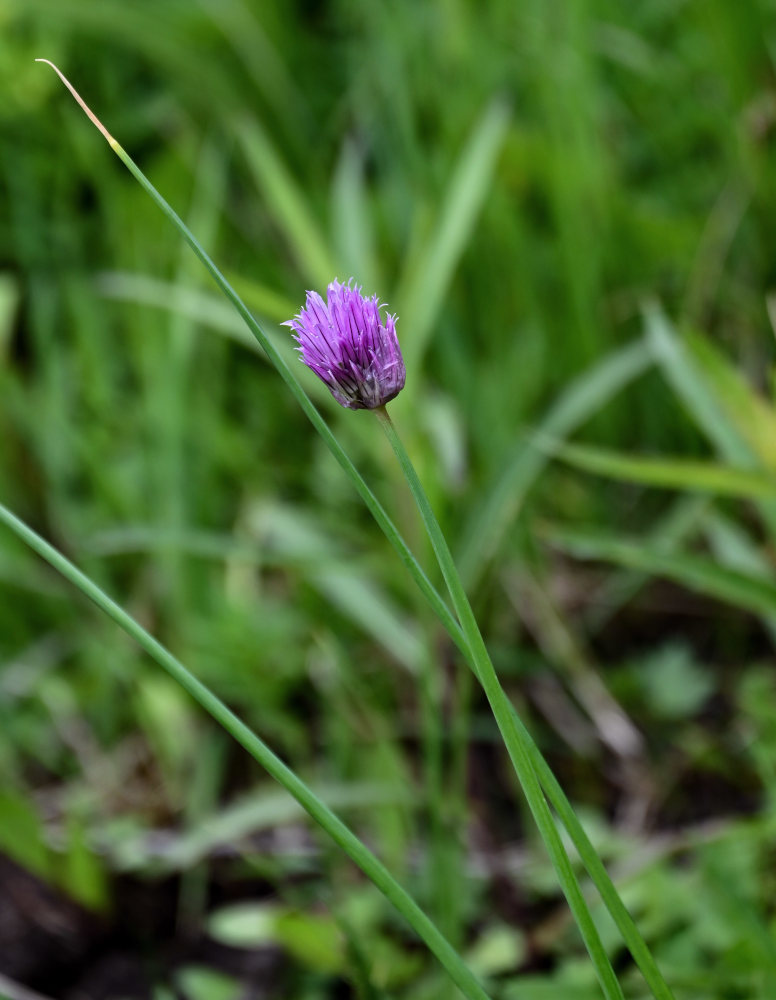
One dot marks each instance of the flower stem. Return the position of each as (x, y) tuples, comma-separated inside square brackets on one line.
[(513, 736)]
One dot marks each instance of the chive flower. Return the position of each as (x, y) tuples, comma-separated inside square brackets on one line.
[(349, 346)]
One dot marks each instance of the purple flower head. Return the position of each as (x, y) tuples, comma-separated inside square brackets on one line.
[(346, 343)]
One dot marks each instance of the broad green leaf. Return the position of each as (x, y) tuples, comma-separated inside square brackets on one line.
[(499, 949), (675, 684), (313, 939)]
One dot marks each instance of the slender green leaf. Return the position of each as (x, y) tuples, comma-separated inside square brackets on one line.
[(695, 572), (351, 220), (680, 522), (424, 288), (288, 537), (286, 203), (586, 396), (233, 823), (513, 735), (334, 827), (195, 303), (734, 547), (670, 473), (683, 374), (749, 413)]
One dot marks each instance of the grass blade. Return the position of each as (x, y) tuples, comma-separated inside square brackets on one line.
[(733, 547), (597, 871), (751, 593), (426, 286), (705, 402), (334, 827), (686, 380), (749, 413), (672, 530), (351, 221), (286, 203), (670, 473), (581, 400)]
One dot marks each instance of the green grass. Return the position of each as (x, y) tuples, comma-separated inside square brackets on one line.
[(516, 182)]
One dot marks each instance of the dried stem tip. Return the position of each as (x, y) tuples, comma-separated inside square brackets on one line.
[(84, 106)]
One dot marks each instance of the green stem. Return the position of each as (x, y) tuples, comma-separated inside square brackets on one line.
[(370, 865), (597, 872), (554, 792), (513, 736), (374, 506)]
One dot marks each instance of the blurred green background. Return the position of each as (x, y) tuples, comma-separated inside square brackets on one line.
[(572, 208)]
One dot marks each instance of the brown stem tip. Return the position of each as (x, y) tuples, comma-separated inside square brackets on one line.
[(84, 106)]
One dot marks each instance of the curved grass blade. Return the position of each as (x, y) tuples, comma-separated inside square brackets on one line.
[(751, 593), (287, 203), (194, 302), (685, 378), (706, 403), (669, 473), (334, 827), (749, 413), (672, 530), (424, 288), (734, 547), (581, 400)]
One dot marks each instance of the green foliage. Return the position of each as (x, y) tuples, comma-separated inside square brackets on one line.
[(515, 180)]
